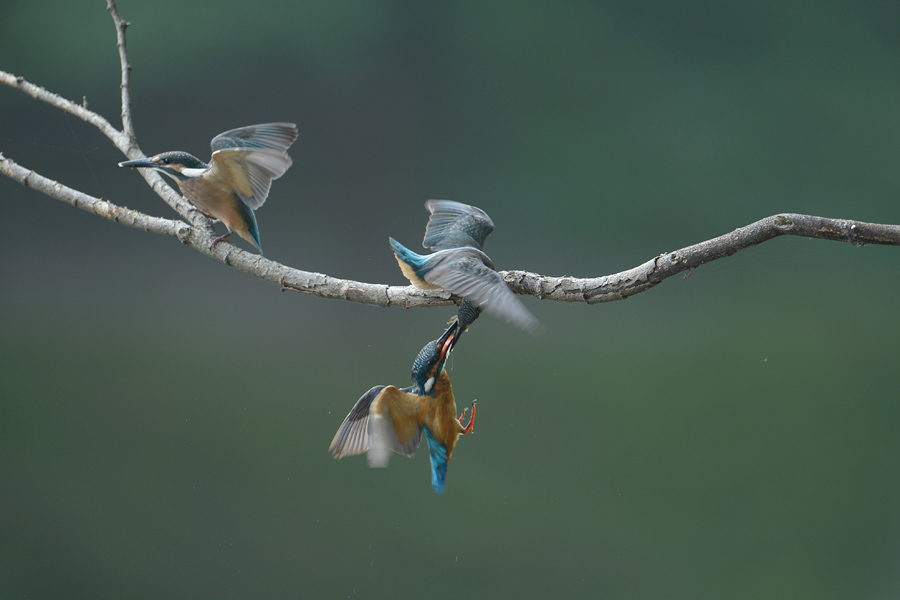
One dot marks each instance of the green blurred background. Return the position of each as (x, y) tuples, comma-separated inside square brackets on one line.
[(165, 420)]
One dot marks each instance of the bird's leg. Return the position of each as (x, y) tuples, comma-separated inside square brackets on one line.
[(221, 238), (207, 215), (468, 428)]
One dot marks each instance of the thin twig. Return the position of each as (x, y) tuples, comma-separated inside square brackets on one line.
[(121, 141), (133, 151), (88, 116), (121, 26)]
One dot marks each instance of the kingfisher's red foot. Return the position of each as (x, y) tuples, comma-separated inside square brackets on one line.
[(468, 428), (221, 238)]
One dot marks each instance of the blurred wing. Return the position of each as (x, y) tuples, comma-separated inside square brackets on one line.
[(393, 425), (268, 136), (383, 420), (249, 172), (455, 225), (352, 436), (465, 273)]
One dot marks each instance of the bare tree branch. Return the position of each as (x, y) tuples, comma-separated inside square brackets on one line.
[(102, 208), (121, 26), (643, 277), (199, 234), (565, 289)]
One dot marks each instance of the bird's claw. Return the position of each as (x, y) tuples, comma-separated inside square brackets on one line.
[(221, 238), (468, 428), (207, 215)]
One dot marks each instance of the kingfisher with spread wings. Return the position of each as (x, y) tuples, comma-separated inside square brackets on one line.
[(237, 179), (389, 419), (456, 233)]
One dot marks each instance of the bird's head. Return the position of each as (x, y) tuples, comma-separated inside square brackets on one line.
[(177, 165), (430, 362)]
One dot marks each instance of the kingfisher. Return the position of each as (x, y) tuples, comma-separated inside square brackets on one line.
[(456, 233), (237, 179), (388, 419)]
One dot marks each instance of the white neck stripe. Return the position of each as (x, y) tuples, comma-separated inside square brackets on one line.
[(193, 172)]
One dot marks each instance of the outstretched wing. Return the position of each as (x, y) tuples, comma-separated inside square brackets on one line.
[(383, 420), (455, 225), (267, 136), (463, 271), (248, 159)]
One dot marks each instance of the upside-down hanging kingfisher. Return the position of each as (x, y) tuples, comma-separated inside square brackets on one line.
[(236, 182), (456, 234), (389, 419)]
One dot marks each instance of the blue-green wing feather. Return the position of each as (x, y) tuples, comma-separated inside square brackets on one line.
[(455, 225), (266, 136)]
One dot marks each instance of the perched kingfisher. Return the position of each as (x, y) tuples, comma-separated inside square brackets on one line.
[(456, 233), (387, 418), (236, 182)]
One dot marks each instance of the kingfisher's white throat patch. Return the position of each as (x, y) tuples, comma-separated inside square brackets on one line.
[(192, 172)]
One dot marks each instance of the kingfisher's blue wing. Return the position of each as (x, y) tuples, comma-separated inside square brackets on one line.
[(455, 225), (465, 272), (384, 419), (248, 159), (267, 136)]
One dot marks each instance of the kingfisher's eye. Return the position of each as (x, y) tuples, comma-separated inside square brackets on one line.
[(166, 161)]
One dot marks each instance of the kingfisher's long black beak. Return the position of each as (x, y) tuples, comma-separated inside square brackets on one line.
[(138, 163), (448, 339)]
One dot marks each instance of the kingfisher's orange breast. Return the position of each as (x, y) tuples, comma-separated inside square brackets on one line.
[(217, 199), (439, 414)]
